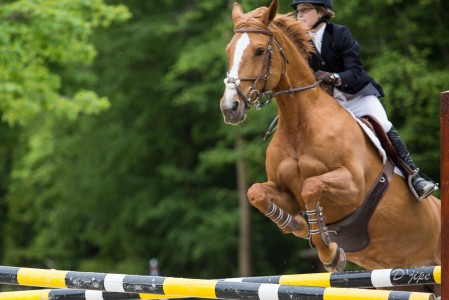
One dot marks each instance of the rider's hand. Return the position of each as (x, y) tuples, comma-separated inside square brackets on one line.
[(326, 77)]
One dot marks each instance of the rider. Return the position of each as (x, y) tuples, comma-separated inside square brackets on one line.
[(336, 62)]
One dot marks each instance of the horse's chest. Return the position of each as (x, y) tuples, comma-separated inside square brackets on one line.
[(287, 171), (291, 172)]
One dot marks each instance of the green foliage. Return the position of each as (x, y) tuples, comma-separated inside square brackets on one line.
[(34, 37)]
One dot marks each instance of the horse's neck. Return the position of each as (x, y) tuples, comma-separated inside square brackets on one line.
[(298, 108)]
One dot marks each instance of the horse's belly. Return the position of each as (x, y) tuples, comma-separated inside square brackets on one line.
[(405, 237)]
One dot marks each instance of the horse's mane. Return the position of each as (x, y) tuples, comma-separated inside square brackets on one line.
[(295, 32), (286, 23)]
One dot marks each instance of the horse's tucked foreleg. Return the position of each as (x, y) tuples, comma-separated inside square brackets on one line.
[(333, 187), (285, 221), (280, 207)]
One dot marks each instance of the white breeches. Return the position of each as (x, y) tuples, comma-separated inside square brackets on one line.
[(368, 105)]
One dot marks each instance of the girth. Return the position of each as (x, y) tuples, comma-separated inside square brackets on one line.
[(351, 233)]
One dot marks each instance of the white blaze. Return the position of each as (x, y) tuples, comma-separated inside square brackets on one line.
[(242, 43)]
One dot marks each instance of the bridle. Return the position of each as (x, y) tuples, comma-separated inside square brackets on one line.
[(234, 83)]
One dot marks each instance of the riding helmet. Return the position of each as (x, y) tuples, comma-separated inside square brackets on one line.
[(326, 3)]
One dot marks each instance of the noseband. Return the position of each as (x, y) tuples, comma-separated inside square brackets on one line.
[(234, 83)]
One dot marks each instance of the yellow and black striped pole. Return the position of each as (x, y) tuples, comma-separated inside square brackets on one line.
[(73, 294), (382, 278), (201, 288)]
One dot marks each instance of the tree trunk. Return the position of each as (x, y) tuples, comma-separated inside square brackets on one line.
[(245, 223)]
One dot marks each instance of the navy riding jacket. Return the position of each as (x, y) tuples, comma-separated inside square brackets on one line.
[(340, 54)]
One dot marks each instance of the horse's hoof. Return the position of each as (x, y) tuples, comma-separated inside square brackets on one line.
[(339, 262), (302, 228)]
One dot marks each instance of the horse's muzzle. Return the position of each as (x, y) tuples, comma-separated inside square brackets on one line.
[(233, 111)]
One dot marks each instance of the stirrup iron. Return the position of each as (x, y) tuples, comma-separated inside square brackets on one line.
[(412, 188)]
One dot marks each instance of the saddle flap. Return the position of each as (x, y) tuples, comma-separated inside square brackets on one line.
[(385, 142), (375, 126)]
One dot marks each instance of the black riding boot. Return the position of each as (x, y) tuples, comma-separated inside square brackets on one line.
[(422, 186)]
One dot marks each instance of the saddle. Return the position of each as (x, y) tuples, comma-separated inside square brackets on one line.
[(375, 126), (352, 231)]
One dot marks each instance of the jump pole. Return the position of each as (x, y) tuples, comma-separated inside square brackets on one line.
[(73, 294), (201, 288), (337, 294), (381, 278), (444, 152), (68, 294)]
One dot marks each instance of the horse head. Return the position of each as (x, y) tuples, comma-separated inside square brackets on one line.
[(258, 60), (254, 68)]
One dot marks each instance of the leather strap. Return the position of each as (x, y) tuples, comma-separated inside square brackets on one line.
[(351, 233)]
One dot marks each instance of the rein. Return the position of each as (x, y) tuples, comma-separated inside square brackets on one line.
[(234, 83)]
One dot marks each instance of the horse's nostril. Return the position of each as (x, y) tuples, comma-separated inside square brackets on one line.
[(235, 106)]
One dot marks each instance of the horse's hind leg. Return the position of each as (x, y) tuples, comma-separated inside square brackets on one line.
[(280, 207), (338, 189)]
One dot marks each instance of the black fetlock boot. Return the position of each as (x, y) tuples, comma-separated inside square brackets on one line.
[(421, 186)]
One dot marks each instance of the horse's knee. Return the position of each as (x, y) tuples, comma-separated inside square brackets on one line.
[(257, 196)]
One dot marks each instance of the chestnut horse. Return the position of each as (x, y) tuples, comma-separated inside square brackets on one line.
[(320, 164)]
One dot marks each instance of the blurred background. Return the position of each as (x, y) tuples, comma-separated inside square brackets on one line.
[(113, 150)]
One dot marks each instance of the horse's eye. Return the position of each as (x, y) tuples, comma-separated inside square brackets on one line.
[(259, 51)]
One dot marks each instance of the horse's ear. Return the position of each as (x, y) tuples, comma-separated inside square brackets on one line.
[(237, 12), (271, 12)]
